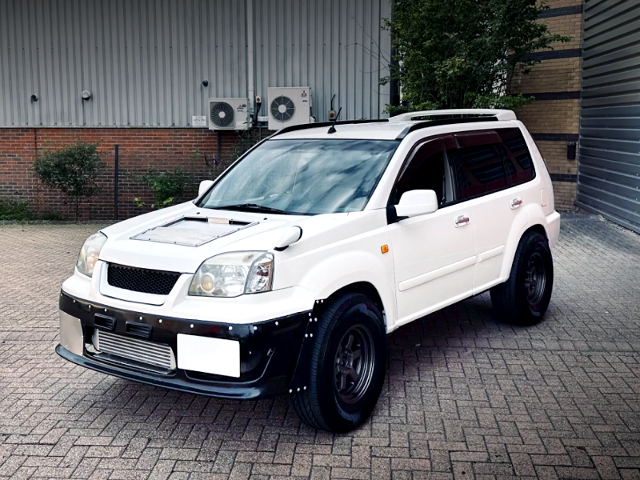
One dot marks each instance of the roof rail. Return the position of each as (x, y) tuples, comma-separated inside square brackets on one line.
[(453, 113), (305, 126), (444, 121)]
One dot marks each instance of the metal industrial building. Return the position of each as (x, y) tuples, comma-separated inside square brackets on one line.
[(156, 62), (609, 171), (149, 66)]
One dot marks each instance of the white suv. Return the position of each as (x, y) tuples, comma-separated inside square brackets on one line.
[(287, 272)]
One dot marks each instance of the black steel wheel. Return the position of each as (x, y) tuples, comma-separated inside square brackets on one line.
[(354, 364), (524, 298), (535, 280), (347, 365)]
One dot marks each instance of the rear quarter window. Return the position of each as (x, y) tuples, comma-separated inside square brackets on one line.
[(517, 157)]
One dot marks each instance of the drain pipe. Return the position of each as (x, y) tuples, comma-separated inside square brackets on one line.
[(251, 58)]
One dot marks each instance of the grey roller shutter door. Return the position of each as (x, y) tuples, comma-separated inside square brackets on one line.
[(609, 173)]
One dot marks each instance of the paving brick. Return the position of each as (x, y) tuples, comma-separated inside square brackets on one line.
[(464, 393)]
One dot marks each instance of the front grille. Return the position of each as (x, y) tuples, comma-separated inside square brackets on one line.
[(141, 280), (139, 351)]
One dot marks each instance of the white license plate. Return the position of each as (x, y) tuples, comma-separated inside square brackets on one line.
[(209, 355)]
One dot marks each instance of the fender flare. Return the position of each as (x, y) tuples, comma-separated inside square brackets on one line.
[(534, 216), (362, 267)]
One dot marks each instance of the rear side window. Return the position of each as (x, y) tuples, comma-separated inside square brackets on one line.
[(477, 165), (487, 162)]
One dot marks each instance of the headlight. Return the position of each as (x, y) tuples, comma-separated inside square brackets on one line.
[(232, 274), (89, 252)]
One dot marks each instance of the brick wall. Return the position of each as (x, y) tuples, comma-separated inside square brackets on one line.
[(568, 25), (555, 75), (553, 118), (565, 195), (161, 149), (555, 155), (560, 3)]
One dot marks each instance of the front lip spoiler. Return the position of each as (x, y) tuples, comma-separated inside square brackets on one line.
[(271, 351), (235, 390)]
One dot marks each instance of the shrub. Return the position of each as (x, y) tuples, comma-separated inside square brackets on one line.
[(15, 209), (166, 186), (73, 170)]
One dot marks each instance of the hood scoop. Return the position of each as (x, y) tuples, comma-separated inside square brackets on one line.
[(192, 231)]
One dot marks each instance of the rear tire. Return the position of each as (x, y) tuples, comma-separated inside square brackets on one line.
[(524, 298), (347, 368)]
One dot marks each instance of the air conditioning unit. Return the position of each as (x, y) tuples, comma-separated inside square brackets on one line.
[(229, 114), (289, 106)]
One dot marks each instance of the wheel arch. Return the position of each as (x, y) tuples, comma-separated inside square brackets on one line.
[(353, 270), (534, 223), (363, 287)]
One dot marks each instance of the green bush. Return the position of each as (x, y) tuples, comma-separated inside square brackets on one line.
[(15, 209), (166, 186), (73, 170)]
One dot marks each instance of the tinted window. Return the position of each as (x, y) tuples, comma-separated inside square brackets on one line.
[(518, 162), (477, 170), (424, 172)]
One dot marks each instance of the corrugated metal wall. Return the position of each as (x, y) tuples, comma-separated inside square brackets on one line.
[(144, 60), (609, 171), (335, 46)]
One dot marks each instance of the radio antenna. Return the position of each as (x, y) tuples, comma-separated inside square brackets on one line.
[(332, 128)]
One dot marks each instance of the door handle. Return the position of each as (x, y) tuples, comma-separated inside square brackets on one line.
[(515, 203), (461, 221)]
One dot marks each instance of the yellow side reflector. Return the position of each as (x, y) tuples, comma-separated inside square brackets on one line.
[(384, 248)]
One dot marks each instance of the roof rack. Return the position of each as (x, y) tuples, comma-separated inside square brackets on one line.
[(305, 126), (430, 118), (453, 113), (443, 121)]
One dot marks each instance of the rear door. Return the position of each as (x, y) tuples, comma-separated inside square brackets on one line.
[(492, 166)]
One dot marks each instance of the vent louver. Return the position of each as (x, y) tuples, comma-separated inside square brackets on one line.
[(282, 108), (141, 330), (222, 114)]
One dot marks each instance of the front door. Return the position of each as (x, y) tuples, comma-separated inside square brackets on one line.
[(434, 254)]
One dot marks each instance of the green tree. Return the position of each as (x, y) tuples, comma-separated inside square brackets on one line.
[(463, 53), (73, 170)]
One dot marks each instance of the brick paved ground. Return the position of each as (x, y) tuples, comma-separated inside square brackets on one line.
[(466, 397)]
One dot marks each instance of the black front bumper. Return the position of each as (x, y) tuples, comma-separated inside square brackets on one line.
[(270, 352)]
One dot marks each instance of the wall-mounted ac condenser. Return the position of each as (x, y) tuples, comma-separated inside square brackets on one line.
[(229, 114), (288, 106)]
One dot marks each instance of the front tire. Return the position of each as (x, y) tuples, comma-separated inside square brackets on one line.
[(524, 298), (347, 368)]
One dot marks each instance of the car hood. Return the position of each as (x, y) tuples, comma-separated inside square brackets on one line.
[(180, 238)]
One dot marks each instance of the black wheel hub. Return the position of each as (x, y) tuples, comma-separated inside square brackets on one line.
[(535, 281), (354, 364)]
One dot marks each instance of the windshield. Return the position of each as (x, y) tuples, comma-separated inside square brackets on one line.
[(303, 176)]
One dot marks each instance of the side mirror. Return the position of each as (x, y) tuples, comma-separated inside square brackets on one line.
[(417, 202), (204, 186), (291, 236)]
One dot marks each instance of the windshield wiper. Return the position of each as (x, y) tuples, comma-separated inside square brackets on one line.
[(252, 207)]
